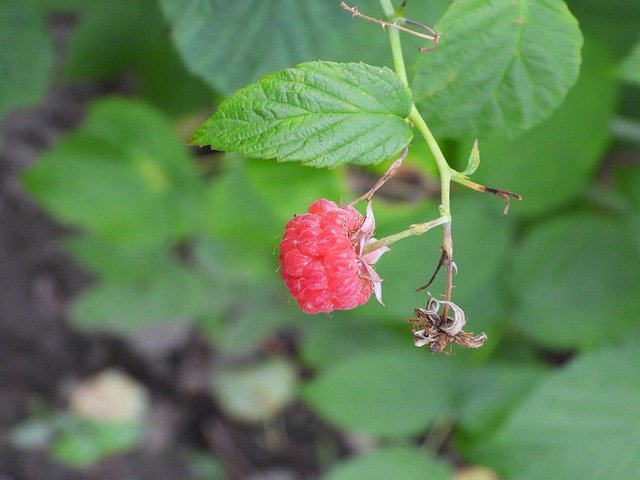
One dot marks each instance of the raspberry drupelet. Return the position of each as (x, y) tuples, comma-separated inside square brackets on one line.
[(322, 261)]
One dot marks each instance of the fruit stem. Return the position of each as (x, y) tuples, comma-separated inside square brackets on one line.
[(416, 229)]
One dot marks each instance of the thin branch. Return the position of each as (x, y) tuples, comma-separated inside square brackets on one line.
[(432, 35), (393, 169), (504, 194)]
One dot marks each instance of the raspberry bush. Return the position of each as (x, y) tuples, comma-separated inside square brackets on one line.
[(234, 243)]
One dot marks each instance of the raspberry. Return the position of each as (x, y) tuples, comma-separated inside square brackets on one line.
[(321, 262)]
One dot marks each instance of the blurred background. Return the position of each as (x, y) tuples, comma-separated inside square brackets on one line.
[(145, 332)]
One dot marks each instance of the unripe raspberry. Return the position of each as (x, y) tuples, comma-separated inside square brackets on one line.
[(321, 259)]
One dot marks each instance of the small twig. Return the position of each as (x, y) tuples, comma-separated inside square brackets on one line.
[(393, 169), (432, 35), (504, 194)]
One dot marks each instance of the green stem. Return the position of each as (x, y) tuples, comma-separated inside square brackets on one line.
[(444, 169), (416, 229), (394, 41)]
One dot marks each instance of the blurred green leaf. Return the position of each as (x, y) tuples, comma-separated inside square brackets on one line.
[(231, 44), (614, 22), (630, 70), (170, 293), (121, 36), (404, 463), (582, 422), (500, 68), (491, 392), (84, 442), (287, 189), (124, 176), (627, 180), (576, 282), (322, 114), (235, 216), (255, 393), (26, 54), (383, 393), (321, 346), (554, 161)]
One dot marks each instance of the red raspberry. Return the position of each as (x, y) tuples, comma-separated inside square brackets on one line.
[(320, 258)]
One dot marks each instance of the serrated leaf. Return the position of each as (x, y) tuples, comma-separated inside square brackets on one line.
[(323, 114), (231, 43), (553, 162), (576, 282), (26, 54), (630, 69), (500, 67), (390, 383), (124, 176), (404, 463), (583, 422)]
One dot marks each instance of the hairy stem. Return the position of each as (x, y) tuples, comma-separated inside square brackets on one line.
[(416, 229)]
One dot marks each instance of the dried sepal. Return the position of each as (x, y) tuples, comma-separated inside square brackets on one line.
[(429, 330)]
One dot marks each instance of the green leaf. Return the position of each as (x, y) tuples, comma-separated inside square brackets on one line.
[(630, 69), (319, 113), (576, 282), (384, 393), (127, 305), (255, 393), (84, 442), (230, 44), (500, 67), (491, 392), (26, 54), (583, 422), (123, 176), (614, 22), (131, 37), (554, 161), (322, 347), (474, 159), (404, 463)]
